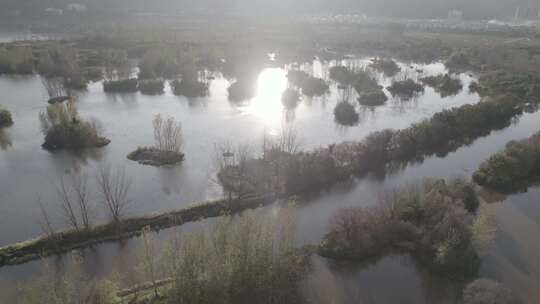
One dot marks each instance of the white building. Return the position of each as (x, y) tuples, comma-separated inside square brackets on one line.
[(54, 11), (455, 15), (77, 7)]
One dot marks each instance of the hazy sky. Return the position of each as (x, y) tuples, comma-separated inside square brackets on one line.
[(401, 8)]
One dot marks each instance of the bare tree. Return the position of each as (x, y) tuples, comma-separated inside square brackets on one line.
[(46, 224), (167, 134), (288, 140), (82, 196), (114, 188), (66, 204), (149, 261), (75, 200), (54, 86)]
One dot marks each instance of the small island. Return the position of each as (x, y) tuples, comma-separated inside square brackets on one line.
[(407, 88), (167, 147), (121, 86), (64, 129), (152, 87), (445, 85), (385, 65), (189, 87), (345, 114), (290, 98), (242, 90), (372, 98), (310, 86)]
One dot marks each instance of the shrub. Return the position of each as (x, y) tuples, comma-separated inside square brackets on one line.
[(64, 129), (290, 98), (315, 87), (458, 60), (18, 60), (444, 84), (250, 257), (159, 62), (342, 75), (364, 83), (428, 221), (311, 86), (298, 78), (71, 286), (373, 98), (242, 90), (387, 66), (345, 114), (485, 291), (189, 88), (5, 118), (512, 169), (93, 73), (121, 86), (405, 88), (152, 87)]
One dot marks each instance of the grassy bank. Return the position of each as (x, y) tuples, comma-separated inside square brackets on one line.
[(65, 241)]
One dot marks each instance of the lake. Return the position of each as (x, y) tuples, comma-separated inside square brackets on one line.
[(28, 172)]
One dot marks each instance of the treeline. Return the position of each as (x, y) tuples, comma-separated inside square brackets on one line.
[(305, 172)]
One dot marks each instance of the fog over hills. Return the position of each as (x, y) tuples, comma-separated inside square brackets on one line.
[(473, 9)]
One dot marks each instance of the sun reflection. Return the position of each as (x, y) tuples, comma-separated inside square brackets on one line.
[(266, 105)]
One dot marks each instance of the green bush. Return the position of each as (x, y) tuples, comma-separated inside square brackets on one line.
[(121, 86), (458, 60), (152, 87), (345, 114), (5, 118), (372, 98), (429, 221), (315, 87), (290, 98), (342, 75), (485, 291), (189, 88), (365, 83), (512, 169), (64, 129), (445, 84), (237, 261), (405, 88), (71, 286), (310, 86), (242, 90), (298, 78), (17, 60), (385, 65)]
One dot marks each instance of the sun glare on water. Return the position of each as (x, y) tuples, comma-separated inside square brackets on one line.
[(266, 105)]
